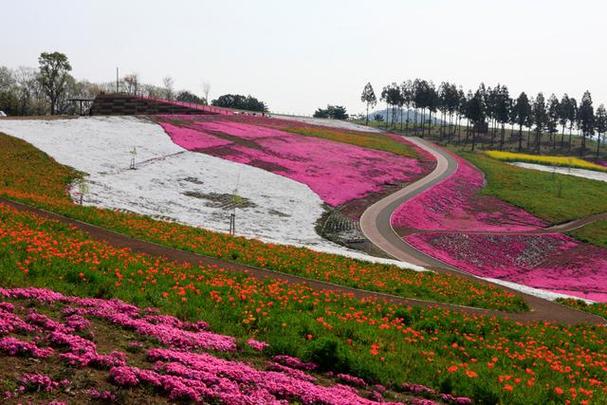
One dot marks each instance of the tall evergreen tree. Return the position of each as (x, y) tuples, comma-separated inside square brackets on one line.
[(586, 119), (477, 113), (600, 124), (521, 115), (553, 118), (571, 117), (503, 105), (368, 97), (540, 119), (563, 113), (406, 90)]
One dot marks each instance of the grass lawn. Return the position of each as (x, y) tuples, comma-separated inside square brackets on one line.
[(553, 197), (594, 233)]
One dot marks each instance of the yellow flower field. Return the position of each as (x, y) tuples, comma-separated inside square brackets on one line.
[(564, 161)]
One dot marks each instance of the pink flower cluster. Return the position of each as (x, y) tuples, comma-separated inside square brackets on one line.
[(178, 368), (337, 172), (294, 362), (423, 390), (208, 377), (456, 205), (40, 382), (15, 347), (551, 262), (257, 345)]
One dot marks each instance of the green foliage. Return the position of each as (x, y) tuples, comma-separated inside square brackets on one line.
[(54, 75), (187, 97), (240, 102), (335, 112), (550, 196)]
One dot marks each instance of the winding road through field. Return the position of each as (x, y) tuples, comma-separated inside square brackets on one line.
[(376, 226)]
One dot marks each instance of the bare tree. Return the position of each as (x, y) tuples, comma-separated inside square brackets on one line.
[(132, 83), (168, 87), (206, 88)]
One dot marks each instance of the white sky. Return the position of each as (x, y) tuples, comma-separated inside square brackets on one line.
[(299, 55)]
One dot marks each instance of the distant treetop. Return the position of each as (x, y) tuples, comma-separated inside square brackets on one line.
[(240, 102), (332, 111)]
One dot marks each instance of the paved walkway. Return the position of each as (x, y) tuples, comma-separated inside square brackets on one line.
[(375, 224)]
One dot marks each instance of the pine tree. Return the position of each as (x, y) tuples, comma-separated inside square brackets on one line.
[(586, 119), (521, 114), (540, 119), (600, 125), (553, 118)]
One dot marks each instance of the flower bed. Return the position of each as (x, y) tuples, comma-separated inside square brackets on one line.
[(175, 368), (551, 262), (45, 187), (564, 161), (337, 172), (455, 205), (487, 358)]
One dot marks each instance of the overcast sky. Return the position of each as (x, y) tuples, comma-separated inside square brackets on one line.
[(298, 55)]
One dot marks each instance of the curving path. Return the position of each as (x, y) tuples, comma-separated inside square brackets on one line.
[(376, 226)]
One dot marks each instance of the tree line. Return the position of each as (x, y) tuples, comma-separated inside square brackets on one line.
[(488, 110), (48, 89)]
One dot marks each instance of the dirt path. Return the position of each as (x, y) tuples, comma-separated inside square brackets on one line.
[(375, 224), (553, 313)]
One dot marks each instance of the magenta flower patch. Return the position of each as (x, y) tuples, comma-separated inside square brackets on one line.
[(337, 172), (176, 367), (455, 205), (551, 262)]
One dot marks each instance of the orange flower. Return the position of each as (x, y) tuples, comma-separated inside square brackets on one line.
[(558, 390), (452, 369), (374, 349)]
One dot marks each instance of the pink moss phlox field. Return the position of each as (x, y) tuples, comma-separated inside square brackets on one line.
[(454, 204), (191, 139), (177, 369), (552, 262), (225, 378), (337, 172)]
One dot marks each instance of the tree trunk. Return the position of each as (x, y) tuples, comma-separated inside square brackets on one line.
[(423, 121), (563, 137), (570, 136), (583, 148), (407, 123), (520, 137), (502, 137), (387, 115), (598, 146), (367, 115), (473, 139)]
